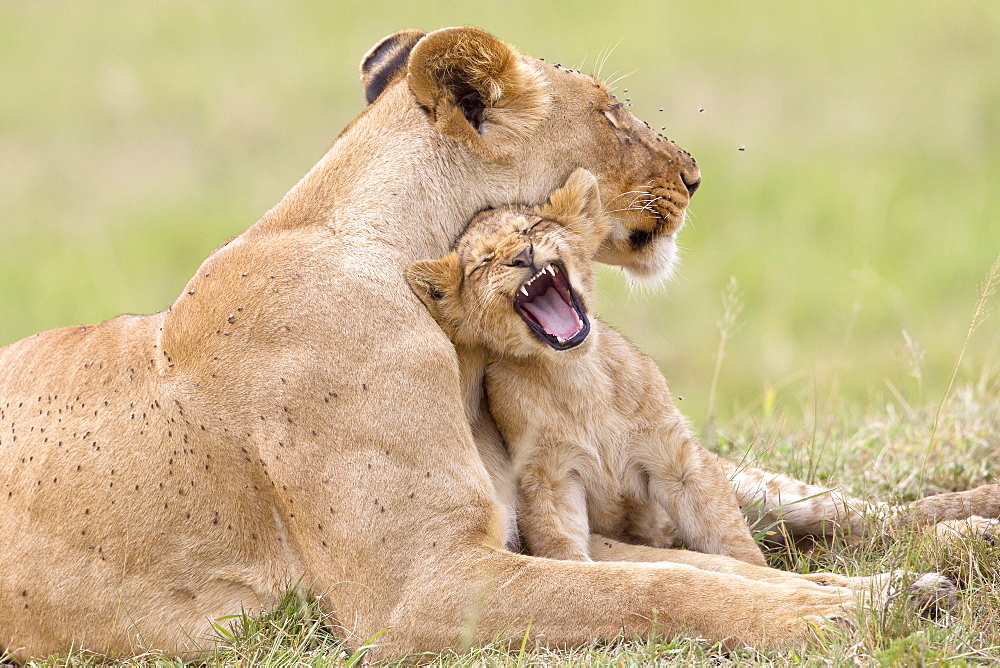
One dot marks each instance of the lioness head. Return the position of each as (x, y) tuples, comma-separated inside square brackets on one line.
[(520, 278), (524, 119)]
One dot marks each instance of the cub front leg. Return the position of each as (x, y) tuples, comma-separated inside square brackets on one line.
[(688, 482), (927, 590), (553, 512)]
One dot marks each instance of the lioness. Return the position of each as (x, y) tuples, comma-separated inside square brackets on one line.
[(296, 417), (596, 441)]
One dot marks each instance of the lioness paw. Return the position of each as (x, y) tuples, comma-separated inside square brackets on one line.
[(930, 593), (817, 623)]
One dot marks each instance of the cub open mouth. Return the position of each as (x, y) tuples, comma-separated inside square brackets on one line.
[(552, 309)]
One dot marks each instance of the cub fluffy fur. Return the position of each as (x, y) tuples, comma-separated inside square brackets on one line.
[(597, 443)]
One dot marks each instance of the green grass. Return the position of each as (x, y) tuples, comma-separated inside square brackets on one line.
[(136, 137)]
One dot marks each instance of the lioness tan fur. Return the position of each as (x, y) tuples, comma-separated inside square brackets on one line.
[(296, 417), (595, 440)]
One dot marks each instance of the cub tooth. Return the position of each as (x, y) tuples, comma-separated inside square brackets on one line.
[(524, 291), (551, 269)]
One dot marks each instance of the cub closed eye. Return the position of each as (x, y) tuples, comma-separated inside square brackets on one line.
[(529, 228), (482, 263)]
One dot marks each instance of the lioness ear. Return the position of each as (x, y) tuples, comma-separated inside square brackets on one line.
[(435, 283), (477, 89), (577, 205), (386, 61)]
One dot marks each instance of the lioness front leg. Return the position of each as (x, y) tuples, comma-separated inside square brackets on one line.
[(555, 604), (553, 512), (688, 482)]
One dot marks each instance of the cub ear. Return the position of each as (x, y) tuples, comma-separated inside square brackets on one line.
[(579, 195), (436, 283), (386, 61), (477, 89), (577, 205)]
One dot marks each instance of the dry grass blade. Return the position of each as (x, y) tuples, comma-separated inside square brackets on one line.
[(979, 314)]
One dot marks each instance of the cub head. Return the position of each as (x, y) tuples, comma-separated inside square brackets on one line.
[(520, 126), (519, 280)]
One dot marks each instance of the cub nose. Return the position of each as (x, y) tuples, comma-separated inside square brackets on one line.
[(525, 258)]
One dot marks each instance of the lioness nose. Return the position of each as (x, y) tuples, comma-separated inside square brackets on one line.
[(691, 182), (525, 258)]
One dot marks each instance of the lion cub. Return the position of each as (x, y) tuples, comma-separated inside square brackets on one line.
[(596, 441)]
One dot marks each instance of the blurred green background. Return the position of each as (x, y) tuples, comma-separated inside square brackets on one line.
[(135, 137)]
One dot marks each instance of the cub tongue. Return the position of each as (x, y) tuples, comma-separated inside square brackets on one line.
[(554, 315)]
